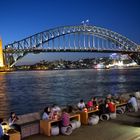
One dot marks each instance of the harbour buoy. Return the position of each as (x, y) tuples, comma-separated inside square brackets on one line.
[(104, 117), (54, 130), (66, 130)]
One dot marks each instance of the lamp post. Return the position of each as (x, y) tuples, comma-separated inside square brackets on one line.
[(5, 127)]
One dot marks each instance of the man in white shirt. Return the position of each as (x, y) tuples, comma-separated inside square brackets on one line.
[(133, 102), (81, 105)]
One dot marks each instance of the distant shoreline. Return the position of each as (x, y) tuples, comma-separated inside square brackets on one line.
[(4, 71), (121, 68)]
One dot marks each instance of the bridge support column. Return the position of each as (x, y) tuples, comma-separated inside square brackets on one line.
[(135, 57), (1, 54)]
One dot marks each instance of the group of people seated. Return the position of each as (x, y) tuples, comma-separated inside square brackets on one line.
[(50, 113), (91, 104), (56, 113), (104, 106), (107, 105)]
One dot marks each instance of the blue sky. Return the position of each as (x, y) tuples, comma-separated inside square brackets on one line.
[(22, 18)]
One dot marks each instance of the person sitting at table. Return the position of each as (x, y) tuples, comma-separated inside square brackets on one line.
[(109, 96), (65, 126), (2, 135), (95, 101), (132, 103), (111, 106), (70, 109), (55, 111), (55, 108), (65, 118), (46, 114), (90, 104), (12, 121), (81, 105), (103, 107)]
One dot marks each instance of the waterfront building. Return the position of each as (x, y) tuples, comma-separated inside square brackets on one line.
[(1, 54)]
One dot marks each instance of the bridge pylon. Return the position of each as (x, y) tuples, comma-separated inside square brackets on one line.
[(1, 55)]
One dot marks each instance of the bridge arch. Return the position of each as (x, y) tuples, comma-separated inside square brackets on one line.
[(35, 42)]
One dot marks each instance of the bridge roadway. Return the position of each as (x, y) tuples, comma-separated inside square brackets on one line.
[(124, 127), (39, 50), (78, 38)]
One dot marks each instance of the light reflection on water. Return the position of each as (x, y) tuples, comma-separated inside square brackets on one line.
[(30, 91)]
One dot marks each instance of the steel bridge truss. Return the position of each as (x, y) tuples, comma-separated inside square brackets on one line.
[(80, 38)]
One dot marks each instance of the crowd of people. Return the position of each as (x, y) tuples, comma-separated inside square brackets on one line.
[(55, 113), (106, 105), (103, 105)]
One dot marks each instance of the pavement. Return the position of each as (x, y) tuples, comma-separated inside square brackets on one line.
[(124, 127)]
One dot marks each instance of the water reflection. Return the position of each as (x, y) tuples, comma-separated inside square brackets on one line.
[(31, 91), (4, 101)]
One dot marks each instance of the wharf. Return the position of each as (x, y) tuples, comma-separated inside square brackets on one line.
[(124, 127), (6, 70)]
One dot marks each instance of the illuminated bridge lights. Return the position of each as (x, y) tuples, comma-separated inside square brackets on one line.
[(82, 38)]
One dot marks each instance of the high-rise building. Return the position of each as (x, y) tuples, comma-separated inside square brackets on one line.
[(1, 54)]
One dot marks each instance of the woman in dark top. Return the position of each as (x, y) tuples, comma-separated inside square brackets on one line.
[(12, 121)]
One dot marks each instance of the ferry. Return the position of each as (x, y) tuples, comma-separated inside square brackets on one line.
[(100, 66)]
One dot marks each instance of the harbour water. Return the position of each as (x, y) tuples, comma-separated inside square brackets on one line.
[(31, 91)]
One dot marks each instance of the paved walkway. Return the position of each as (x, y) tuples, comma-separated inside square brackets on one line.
[(124, 127)]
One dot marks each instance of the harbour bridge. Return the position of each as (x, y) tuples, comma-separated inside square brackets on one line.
[(79, 38)]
